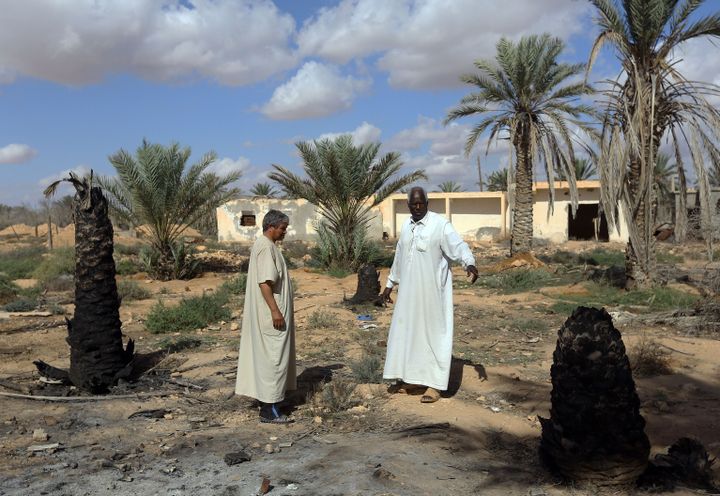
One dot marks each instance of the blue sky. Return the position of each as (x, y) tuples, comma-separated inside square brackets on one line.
[(80, 79)]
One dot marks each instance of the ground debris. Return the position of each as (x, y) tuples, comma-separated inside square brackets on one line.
[(236, 457)]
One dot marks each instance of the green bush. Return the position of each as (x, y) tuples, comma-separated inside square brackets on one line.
[(189, 314), (127, 249), (63, 282), (8, 289), (23, 305), (56, 263), (20, 263), (321, 319), (126, 267), (131, 290), (334, 252), (518, 280), (369, 369), (600, 256), (184, 264), (236, 285), (650, 300)]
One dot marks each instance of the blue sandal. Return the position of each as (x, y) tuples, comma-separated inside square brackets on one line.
[(269, 414)]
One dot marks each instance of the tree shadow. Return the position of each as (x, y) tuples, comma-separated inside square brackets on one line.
[(457, 366), (308, 383)]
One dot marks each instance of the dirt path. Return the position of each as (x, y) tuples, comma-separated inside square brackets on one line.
[(483, 437)]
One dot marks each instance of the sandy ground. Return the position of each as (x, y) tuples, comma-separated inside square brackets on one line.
[(481, 438)]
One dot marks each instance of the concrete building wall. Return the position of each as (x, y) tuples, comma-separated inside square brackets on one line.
[(476, 218), (303, 218), (475, 215), (554, 227)]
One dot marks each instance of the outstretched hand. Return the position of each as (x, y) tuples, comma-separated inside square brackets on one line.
[(386, 295), (471, 270)]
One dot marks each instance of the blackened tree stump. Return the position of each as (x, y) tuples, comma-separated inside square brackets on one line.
[(97, 357), (595, 432), (368, 286)]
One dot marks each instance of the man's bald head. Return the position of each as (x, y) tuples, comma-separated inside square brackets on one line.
[(417, 203)]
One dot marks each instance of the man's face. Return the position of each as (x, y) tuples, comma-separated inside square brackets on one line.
[(418, 205), (277, 233)]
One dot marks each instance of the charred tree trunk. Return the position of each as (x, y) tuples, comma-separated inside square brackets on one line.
[(97, 357), (368, 287), (595, 432)]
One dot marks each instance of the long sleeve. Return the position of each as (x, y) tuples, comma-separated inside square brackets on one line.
[(394, 276), (454, 247)]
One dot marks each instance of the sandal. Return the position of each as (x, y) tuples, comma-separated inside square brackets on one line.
[(270, 415), (431, 395)]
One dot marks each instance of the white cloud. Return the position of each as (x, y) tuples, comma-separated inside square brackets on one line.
[(439, 150), (15, 153), (225, 166), (363, 134), (316, 90), (235, 42), (429, 43)]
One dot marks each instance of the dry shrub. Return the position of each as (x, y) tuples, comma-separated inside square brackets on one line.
[(321, 319), (332, 397), (648, 359)]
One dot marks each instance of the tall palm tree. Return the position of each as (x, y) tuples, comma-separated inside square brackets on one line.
[(154, 188), (97, 357), (450, 187), (344, 181), (651, 101), (584, 170), (264, 189), (497, 180), (526, 97)]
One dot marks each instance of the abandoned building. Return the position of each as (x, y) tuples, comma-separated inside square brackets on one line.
[(476, 215)]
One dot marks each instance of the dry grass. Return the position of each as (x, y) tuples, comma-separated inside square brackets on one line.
[(648, 359), (332, 397), (321, 319)]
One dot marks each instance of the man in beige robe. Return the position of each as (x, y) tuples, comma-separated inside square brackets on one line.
[(266, 363)]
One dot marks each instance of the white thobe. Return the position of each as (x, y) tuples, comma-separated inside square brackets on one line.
[(266, 362), (419, 346)]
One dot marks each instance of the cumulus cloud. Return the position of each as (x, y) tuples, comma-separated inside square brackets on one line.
[(439, 150), (363, 134), (429, 43), (234, 42), (225, 166), (316, 90), (15, 153)]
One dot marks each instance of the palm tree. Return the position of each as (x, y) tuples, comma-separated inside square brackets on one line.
[(651, 101), (154, 189), (714, 177), (664, 172), (450, 187), (344, 181), (97, 357), (526, 98), (264, 189), (584, 170), (497, 180)]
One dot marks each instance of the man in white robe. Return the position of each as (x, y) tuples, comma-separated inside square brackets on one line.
[(266, 362), (419, 346)]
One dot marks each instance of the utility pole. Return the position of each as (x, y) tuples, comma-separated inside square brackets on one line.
[(479, 167)]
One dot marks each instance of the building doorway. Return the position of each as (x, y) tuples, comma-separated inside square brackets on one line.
[(587, 224)]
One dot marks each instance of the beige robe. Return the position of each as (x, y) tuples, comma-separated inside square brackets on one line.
[(266, 364)]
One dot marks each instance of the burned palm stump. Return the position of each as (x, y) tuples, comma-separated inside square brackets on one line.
[(97, 357), (368, 286), (595, 432)]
